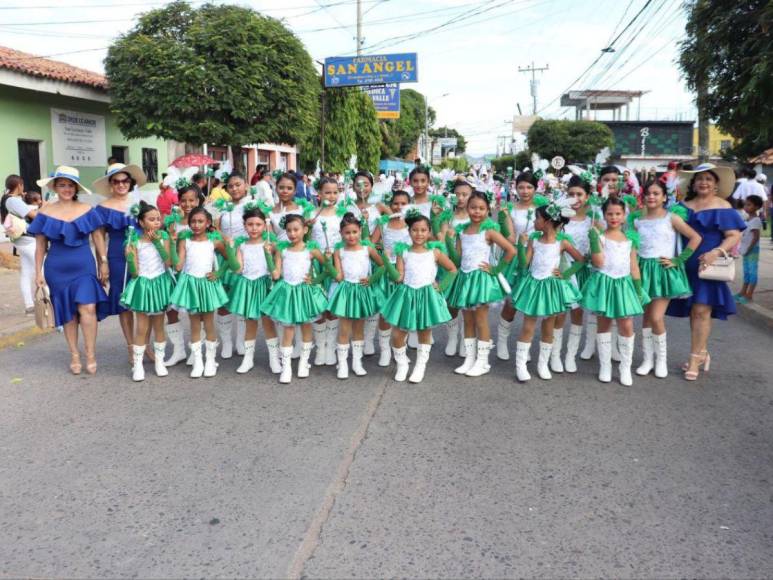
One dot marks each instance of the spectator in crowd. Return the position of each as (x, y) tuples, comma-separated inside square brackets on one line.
[(218, 192), (16, 214), (167, 197), (750, 247)]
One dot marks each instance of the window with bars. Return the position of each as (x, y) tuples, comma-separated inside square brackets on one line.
[(150, 164)]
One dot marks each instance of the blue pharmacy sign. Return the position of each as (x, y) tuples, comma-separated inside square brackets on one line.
[(386, 100), (376, 69)]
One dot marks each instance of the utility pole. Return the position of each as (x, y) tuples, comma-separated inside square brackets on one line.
[(360, 40), (533, 84)]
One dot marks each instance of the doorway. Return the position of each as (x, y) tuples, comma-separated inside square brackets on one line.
[(29, 163)]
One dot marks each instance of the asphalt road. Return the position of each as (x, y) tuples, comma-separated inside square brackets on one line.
[(242, 477)]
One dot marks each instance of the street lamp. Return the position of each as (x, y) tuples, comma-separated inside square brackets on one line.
[(427, 148)]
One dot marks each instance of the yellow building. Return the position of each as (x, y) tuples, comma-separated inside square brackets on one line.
[(718, 141)]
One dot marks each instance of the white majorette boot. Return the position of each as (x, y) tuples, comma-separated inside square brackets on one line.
[(297, 342), (358, 349), (241, 328), (286, 355), (555, 355), (503, 336), (384, 347), (648, 355), (401, 358), (320, 342), (158, 364), (342, 350), (626, 359), (249, 357), (462, 347), (225, 324), (371, 325), (422, 356), (615, 343), (660, 347), (452, 341), (332, 341), (521, 355), (572, 346), (471, 350), (591, 326), (303, 363), (138, 371), (604, 345), (210, 356), (175, 334), (543, 362), (198, 360), (481, 365), (272, 344)]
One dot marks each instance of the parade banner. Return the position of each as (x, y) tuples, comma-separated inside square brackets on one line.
[(78, 139), (377, 69), (386, 100)]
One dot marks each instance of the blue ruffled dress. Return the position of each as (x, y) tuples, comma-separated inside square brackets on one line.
[(70, 269), (711, 224), (115, 223)]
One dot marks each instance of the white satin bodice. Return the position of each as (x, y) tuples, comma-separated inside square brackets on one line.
[(254, 261), (657, 237), (544, 259), (333, 232), (420, 268), (390, 237), (149, 260), (199, 258), (295, 266), (475, 249), (617, 258), (355, 264)]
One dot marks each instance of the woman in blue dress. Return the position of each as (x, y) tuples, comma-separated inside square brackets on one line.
[(116, 185), (709, 214), (62, 231)]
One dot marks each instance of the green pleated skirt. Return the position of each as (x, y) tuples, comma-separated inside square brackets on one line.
[(471, 289), (660, 282), (545, 297), (383, 289), (295, 304), (582, 276), (353, 300), (612, 297), (246, 297), (416, 308), (198, 295), (512, 273), (228, 277), (148, 295)]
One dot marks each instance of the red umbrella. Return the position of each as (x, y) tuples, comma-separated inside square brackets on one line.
[(193, 160)]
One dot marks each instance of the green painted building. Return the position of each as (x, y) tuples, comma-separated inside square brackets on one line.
[(53, 113)]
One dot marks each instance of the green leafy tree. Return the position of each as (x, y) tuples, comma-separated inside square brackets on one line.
[(575, 141), (727, 58), (350, 128), (502, 163), (461, 142), (218, 74), (410, 125), (458, 164), (390, 141)]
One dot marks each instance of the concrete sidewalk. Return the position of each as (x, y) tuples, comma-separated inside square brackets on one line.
[(760, 311), (15, 325)]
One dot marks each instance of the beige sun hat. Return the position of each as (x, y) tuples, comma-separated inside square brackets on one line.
[(102, 185), (725, 175), (64, 172)]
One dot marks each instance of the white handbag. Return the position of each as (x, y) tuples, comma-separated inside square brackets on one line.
[(722, 270)]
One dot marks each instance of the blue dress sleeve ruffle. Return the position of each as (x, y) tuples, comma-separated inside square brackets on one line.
[(114, 219), (722, 219), (74, 233)]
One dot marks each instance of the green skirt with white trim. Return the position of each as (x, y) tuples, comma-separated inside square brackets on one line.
[(198, 295), (416, 308), (148, 295), (471, 289), (661, 282), (353, 300), (612, 297), (295, 304), (545, 297), (246, 297)]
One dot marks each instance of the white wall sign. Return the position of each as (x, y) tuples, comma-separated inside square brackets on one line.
[(78, 139)]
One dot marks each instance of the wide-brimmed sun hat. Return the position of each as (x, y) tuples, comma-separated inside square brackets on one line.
[(726, 177), (63, 172), (102, 185)]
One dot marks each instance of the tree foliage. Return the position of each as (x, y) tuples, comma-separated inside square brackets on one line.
[(458, 164), (575, 141), (461, 142), (729, 53), (407, 129), (351, 128), (217, 74)]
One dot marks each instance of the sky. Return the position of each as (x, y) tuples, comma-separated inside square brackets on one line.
[(469, 52)]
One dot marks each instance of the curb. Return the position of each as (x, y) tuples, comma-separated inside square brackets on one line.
[(14, 338), (757, 315)]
